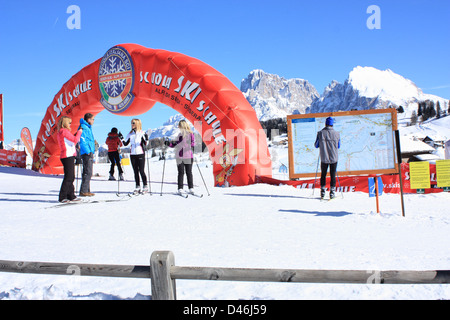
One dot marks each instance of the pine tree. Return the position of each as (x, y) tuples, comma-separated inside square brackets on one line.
[(438, 110), (413, 118), (432, 110)]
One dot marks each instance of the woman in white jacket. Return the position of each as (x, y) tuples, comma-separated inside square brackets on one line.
[(138, 140)]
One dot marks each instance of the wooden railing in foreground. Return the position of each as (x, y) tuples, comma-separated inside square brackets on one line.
[(163, 273)]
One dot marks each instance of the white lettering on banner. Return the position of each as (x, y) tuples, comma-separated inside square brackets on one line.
[(190, 91), (62, 102)]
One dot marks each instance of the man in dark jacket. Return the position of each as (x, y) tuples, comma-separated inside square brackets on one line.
[(114, 143), (329, 141)]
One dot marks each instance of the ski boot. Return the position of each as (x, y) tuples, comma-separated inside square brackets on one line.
[(332, 193), (137, 190), (322, 192), (111, 177)]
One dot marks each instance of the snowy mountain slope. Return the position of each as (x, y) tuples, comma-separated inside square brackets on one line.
[(370, 88), (169, 128), (434, 128), (275, 97)]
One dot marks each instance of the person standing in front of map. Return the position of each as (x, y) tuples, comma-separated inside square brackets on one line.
[(328, 141)]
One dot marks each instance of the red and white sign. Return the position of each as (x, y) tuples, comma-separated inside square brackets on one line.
[(13, 158), (391, 182), (25, 135)]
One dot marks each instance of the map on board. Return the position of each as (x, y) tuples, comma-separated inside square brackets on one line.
[(367, 143)]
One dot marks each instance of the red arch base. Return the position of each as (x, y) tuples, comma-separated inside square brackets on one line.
[(130, 79)]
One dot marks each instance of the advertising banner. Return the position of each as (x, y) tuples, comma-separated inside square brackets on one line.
[(25, 135), (13, 158), (129, 79), (390, 182)]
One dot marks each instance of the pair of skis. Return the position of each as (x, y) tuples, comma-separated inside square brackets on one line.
[(185, 194), (89, 201), (182, 194), (327, 199)]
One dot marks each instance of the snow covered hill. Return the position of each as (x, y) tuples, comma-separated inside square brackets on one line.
[(169, 129), (370, 88)]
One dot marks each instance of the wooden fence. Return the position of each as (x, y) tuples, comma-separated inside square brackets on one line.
[(163, 272)]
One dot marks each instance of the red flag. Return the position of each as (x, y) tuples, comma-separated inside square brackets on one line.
[(2, 137), (25, 135)]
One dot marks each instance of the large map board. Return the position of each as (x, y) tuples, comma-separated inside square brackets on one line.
[(367, 142)]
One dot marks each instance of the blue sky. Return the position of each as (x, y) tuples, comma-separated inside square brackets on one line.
[(321, 41)]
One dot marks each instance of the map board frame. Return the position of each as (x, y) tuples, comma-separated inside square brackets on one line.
[(291, 150)]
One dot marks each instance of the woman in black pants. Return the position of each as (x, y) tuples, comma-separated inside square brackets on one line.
[(138, 140), (184, 154)]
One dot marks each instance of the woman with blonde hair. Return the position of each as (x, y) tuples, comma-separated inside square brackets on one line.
[(67, 142), (138, 140), (184, 155)]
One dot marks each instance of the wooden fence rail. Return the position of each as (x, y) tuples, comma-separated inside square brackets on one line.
[(163, 273)]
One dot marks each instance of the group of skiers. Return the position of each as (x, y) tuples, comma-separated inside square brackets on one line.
[(136, 138), (327, 140)]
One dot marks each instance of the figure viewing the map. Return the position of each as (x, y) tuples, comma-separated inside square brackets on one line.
[(328, 141)]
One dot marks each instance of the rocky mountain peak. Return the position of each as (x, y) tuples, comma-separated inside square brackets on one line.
[(273, 96)]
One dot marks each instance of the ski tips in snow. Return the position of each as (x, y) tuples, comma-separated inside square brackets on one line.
[(185, 194), (327, 199), (69, 203)]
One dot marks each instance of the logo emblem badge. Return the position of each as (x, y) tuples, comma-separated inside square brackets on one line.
[(116, 80)]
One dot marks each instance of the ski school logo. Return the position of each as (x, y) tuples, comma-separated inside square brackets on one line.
[(116, 80)]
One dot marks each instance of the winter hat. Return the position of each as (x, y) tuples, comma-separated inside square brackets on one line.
[(329, 121), (114, 130)]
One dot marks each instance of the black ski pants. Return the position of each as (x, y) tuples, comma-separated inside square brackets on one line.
[(114, 158), (185, 165), (138, 164), (88, 169), (323, 176), (67, 190)]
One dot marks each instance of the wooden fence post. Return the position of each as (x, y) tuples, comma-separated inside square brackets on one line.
[(163, 286)]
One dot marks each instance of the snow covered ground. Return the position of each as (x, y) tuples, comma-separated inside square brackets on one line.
[(258, 226)]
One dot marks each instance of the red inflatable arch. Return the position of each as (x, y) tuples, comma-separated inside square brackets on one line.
[(130, 79)]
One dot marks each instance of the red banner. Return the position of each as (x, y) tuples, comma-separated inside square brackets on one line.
[(2, 137), (25, 135), (391, 183), (13, 158), (130, 79)]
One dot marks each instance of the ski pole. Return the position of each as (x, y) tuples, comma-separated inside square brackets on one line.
[(148, 170), (118, 182), (339, 183), (78, 168), (164, 167), (196, 162), (315, 178)]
